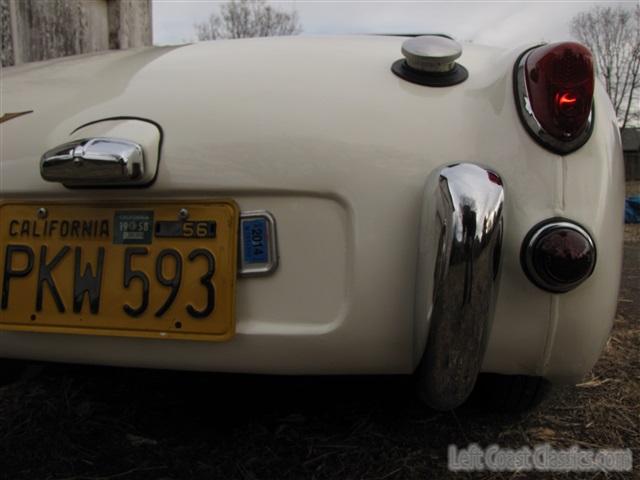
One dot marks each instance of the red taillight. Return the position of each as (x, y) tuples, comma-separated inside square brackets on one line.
[(560, 86), (556, 101)]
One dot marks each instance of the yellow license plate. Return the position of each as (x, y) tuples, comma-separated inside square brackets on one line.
[(152, 269)]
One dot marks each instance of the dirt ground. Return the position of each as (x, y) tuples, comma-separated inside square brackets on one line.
[(71, 422), (632, 232)]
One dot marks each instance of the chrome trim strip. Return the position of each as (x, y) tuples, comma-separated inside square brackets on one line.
[(261, 269), (11, 115), (457, 278), (531, 123)]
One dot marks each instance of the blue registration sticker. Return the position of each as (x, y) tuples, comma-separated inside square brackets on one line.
[(255, 242)]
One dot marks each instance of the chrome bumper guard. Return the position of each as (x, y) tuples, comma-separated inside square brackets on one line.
[(457, 279)]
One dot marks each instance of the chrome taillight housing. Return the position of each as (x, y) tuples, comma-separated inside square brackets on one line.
[(553, 88)]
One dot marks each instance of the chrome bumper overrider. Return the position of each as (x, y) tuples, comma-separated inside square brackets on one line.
[(457, 279)]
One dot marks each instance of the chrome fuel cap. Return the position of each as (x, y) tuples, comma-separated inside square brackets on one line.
[(430, 53), (431, 60)]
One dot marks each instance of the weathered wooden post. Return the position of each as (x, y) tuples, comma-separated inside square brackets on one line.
[(33, 30)]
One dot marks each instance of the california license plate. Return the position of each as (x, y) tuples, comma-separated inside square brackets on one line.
[(160, 270)]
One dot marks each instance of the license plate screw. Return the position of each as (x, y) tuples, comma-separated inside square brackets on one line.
[(183, 214), (42, 213)]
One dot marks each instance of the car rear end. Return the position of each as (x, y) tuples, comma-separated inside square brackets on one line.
[(339, 158)]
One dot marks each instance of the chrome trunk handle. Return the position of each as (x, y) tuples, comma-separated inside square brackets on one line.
[(94, 161), (458, 272)]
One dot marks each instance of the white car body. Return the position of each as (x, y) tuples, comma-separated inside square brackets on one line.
[(320, 132)]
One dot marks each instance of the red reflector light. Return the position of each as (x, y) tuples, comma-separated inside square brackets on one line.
[(558, 255), (554, 88)]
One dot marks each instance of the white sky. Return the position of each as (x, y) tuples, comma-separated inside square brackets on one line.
[(500, 23)]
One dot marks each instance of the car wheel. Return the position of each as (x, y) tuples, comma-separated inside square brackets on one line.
[(508, 393)]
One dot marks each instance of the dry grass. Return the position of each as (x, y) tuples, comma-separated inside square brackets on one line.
[(633, 188), (101, 423), (632, 232)]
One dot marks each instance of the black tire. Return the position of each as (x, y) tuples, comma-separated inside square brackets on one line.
[(508, 393)]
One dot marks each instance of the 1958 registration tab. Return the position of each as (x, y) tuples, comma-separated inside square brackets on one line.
[(153, 269)]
